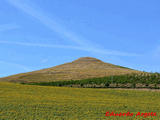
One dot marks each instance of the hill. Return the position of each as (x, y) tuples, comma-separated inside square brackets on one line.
[(82, 68)]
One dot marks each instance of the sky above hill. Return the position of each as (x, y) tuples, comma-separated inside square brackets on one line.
[(36, 34)]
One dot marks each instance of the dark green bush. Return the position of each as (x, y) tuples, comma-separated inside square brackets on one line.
[(142, 78)]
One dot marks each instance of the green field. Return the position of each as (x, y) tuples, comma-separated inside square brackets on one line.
[(30, 102)]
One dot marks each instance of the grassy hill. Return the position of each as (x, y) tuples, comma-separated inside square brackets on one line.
[(82, 68), (28, 102)]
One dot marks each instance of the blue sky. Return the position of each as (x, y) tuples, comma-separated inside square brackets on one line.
[(40, 34)]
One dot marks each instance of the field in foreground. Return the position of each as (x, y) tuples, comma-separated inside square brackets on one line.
[(27, 102)]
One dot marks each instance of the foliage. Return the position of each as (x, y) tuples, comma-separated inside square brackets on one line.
[(145, 79)]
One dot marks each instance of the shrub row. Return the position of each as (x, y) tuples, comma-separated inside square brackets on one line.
[(141, 78)]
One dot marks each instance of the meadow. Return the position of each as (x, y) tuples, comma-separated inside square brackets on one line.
[(30, 102)]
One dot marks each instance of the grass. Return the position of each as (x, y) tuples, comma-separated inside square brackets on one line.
[(82, 68), (28, 102)]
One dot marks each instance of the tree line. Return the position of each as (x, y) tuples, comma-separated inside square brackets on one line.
[(135, 80)]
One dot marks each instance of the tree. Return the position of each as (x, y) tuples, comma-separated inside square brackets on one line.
[(107, 84)]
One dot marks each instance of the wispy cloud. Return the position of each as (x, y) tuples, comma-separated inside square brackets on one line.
[(44, 60), (100, 51), (47, 21), (83, 44), (41, 45), (25, 68), (156, 52), (6, 27)]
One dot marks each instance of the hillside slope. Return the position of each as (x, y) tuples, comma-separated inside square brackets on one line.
[(82, 68)]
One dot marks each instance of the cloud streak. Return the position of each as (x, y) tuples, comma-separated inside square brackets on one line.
[(82, 43), (40, 45), (101, 51), (6, 27), (17, 65), (47, 21)]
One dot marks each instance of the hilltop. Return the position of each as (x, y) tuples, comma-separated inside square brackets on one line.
[(82, 68)]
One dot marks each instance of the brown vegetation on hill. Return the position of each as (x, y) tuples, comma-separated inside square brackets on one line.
[(82, 68)]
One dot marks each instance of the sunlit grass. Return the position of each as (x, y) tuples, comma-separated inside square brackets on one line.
[(27, 102)]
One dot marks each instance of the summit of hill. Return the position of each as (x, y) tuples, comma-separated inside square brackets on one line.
[(82, 68)]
